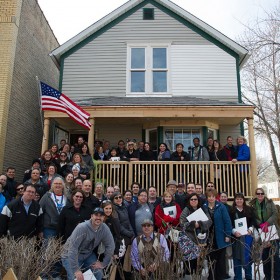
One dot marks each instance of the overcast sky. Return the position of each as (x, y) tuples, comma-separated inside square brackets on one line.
[(69, 17)]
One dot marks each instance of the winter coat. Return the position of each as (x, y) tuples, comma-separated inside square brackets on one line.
[(243, 153), (222, 224), (51, 215), (114, 226), (271, 213), (126, 228), (15, 219), (131, 213), (189, 227), (176, 157), (70, 217), (203, 154), (162, 220)]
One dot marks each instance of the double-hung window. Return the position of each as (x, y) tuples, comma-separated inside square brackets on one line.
[(148, 70)]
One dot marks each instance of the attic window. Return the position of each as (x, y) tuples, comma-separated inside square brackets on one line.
[(148, 14)]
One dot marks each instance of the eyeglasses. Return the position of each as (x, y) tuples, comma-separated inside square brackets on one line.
[(146, 225), (193, 199), (117, 197), (210, 186), (260, 193), (79, 196), (19, 189)]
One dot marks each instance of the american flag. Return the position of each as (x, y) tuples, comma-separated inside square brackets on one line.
[(53, 100)]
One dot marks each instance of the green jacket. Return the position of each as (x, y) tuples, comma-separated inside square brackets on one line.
[(270, 212)]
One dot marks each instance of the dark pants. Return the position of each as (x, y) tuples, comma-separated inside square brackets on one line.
[(217, 264), (267, 264)]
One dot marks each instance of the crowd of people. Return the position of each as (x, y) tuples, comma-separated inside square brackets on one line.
[(57, 199)]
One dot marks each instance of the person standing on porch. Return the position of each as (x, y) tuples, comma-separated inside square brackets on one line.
[(198, 152)]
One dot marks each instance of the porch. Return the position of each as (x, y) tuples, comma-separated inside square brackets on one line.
[(227, 176), (132, 115)]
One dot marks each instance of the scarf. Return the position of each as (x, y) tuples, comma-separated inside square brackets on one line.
[(261, 211)]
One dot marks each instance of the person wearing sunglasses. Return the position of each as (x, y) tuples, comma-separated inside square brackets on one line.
[(62, 162), (126, 228), (72, 214), (19, 190), (266, 215), (194, 228), (150, 252)]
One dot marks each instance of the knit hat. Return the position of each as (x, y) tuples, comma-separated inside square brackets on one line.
[(36, 160), (76, 167)]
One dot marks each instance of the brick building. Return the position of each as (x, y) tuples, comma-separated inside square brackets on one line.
[(25, 41)]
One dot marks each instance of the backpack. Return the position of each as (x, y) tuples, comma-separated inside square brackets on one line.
[(189, 249)]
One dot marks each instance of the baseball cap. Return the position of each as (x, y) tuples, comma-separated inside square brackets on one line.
[(98, 210)]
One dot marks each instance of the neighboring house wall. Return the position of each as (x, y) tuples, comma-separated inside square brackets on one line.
[(99, 68), (9, 20), (24, 127)]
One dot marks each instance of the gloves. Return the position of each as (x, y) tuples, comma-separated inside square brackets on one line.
[(264, 227)]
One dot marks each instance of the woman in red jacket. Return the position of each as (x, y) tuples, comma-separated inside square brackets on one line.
[(167, 213)]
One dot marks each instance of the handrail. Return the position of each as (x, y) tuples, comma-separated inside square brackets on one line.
[(227, 176)]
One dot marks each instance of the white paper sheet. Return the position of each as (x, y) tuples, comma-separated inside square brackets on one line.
[(170, 211), (270, 235), (88, 275), (197, 215), (241, 226)]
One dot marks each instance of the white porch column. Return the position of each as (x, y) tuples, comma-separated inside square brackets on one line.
[(253, 156), (45, 142), (91, 136)]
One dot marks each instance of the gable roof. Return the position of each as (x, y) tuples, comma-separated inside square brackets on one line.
[(241, 51)]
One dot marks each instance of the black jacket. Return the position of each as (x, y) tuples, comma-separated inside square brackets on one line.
[(175, 156), (70, 217), (114, 226), (11, 187), (15, 219)]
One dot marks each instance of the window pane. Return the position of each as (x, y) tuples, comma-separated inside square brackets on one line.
[(159, 81), (137, 58), (159, 58), (138, 81)]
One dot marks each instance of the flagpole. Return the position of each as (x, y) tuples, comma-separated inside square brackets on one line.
[(40, 106)]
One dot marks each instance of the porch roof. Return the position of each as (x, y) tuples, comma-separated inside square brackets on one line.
[(155, 101), (154, 111)]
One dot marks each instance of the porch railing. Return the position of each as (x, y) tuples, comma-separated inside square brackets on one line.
[(227, 176)]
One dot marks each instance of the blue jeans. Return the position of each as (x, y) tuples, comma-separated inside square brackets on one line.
[(238, 270), (267, 261), (84, 264)]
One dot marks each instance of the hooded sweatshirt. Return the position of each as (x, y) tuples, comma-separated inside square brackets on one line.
[(84, 240)]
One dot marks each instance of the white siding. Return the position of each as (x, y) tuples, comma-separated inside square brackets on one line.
[(98, 68), (225, 131), (203, 71), (114, 133)]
